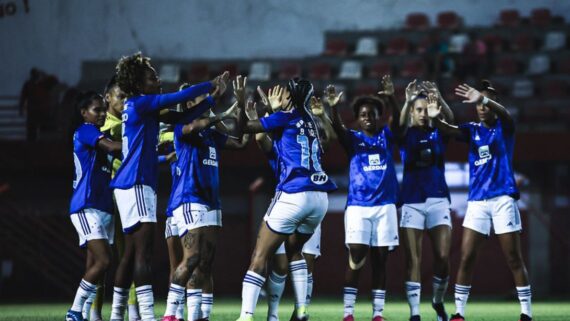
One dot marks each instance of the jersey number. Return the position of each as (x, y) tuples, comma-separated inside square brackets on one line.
[(314, 155)]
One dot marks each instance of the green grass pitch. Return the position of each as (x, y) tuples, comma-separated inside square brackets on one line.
[(320, 310)]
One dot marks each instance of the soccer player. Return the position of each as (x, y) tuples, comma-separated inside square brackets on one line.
[(425, 196), (311, 250), (136, 179), (300, 201), (195, 201), (91, 203), (371, 222), (492, 191)]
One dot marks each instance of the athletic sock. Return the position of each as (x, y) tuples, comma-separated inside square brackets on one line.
[(95, 313), (174, 299), (120, 297), (252, 283), (145, 297), (207, 304), (378, 300), (309, 288), (439, 288), (461, 296), (525, 299), (87, 305), (349, 298), (275, 287), (84, 291), (298, 271), (413, 292), (194, 302)]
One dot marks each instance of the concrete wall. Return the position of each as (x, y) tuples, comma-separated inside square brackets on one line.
[(57, 35)]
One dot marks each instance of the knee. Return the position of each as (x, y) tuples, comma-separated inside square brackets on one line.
[(191, 262), (514, 261), (441, 257), (104, 263)]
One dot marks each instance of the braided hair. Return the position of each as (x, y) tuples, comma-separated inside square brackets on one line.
[(130, 70), (301, 91)]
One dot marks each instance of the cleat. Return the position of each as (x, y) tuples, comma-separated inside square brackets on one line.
[(378, 318), (73, 316), (302, 310), (169, 318), (349, 317), (440, 311), (457, 317), (246, 318), (525, 317), (415, 318)]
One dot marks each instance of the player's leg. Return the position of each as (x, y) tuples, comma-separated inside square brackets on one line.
[(412, 241), (143, 238), (378, 259), (207, 295), (123, 279), (298, 271), (89, 302), (174, 246), (276, 282), (311, 252)]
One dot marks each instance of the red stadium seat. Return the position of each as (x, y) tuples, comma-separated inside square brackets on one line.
[(424, 45), (414, 68), (538, 113), (509, 18), (398, 46), (417, 21), (448, 20), (290, 70), (198, 72), (379, 69), (540, 17), (364, 89), (336, 47), (523, 42), (320, 70), (494, 42), (506, 65), (554, 88)]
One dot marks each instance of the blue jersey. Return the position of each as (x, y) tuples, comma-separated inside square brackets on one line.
[(92, 172), (140, 135), (298, 152), (169, 208), (197, 179), (491, 171), (373, 180), (422, 153)]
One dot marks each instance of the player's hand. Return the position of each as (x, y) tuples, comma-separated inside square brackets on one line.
[(232, 112), (431, 88), (251, 110), (470, 94), (221, 84), (412, 91), (317, 107), (275, 98), (331, 96), (433, 108), (263, 97), (239, 88), (387, 86)]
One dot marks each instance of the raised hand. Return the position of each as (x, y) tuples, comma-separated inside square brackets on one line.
[(232, 112), (331, 96), (263, 97), (221, 83), (412, 91), (275, 98), (251, 110), (239, 88), (317, 107), (387, 86), (433, 108), (470, 94)]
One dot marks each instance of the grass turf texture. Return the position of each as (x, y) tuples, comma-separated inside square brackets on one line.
[(320, 310)]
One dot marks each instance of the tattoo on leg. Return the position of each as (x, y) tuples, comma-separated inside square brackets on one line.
[(189, 240)]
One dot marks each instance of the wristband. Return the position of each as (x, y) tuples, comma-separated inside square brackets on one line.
[(485, 101)]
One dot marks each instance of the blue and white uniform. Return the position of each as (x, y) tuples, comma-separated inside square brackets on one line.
[(92, 201), (371, 215), (136, 180), (170, 228), (492, 187), (425, 194), (301, 199)]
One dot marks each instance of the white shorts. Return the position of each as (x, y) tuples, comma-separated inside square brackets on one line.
[(93, 224), (313, 245), (301, 212), (375, 226), (170, 228), (136, 205), (189, 216), (501, 213), (433, 212)]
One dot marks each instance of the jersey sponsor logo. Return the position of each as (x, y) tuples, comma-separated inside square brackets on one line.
[(319, 178), (106, 169), (212, 160), (374, 164), (484, 155)]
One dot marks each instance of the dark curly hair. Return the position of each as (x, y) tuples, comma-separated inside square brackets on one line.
[(130, 71), (486, 85), (367, 100)]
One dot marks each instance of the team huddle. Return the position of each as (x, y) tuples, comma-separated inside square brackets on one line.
[(122, 136)]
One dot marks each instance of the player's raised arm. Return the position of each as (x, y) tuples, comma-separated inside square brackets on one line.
[(434, 113), (262, 139), (318, 109), (411, 94), (333, 98), (198, 124), (446, 111), (472, 95), (281, 101), (388, 92)]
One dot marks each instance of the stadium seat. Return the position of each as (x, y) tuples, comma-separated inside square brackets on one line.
[(320, 71), (379, 69), (413, 68), (523, 88), (540, 17), (290, 70), (523, 42), (538, 113), (506, 65), (198, 72), (563, 65), (336, 47), (350, 69), (494, 42), (458, 42), (538, 65), (424, 44), (259, 71), (417, 21), (366, 46), (398, 46), (365, 89), (509, 18), (554, 88), (448, 20), (554, 40)]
